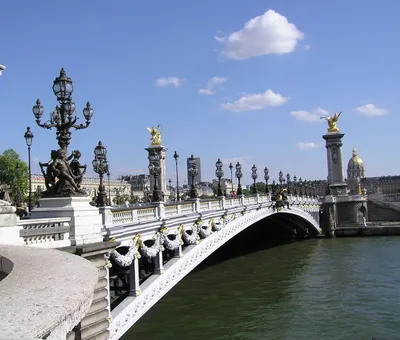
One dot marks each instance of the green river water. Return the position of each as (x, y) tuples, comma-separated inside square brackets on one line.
[(314, 289)]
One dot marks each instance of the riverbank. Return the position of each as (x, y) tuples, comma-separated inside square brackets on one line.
[(371, 229)]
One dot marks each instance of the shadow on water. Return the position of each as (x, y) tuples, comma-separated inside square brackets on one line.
[(247, 278), (262, 235)]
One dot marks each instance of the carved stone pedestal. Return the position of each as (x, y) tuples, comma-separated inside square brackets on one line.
[(9, 231), (86, 222)]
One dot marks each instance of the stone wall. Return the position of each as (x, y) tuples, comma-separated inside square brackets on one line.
[(45, 293), (382, 212), (95, 324)]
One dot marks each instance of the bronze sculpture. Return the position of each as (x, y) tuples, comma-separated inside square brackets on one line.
[(332, 122), (155, 133), (60, 179)]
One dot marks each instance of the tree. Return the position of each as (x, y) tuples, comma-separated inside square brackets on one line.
[(18, 180)]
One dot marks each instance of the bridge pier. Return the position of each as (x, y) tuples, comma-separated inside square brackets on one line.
[(97, 320), (340, 209)]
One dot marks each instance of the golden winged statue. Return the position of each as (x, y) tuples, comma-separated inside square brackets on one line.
[(332, 122), (155, 133)]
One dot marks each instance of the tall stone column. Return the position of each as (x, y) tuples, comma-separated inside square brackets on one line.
[(337, 184), (162, 178)]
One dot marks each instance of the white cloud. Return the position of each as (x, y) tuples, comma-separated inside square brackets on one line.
[(165, 81), (310, 116), (307, 47), (211, 84), (370, 110), (256, 101), (308, 145), (270, 33), (234, 160)]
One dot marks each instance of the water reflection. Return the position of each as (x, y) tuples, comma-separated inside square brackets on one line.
[(315, 289)]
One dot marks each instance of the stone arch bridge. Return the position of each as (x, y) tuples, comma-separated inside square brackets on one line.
[(172, 239)]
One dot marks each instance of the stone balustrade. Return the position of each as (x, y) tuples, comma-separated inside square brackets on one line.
[(137, 214), (45, 232), (123, 224), (53, 284)]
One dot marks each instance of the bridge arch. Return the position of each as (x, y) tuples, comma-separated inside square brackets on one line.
[(128, 312)]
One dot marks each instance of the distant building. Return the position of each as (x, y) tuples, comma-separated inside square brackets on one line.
[(355, 173), (91, 184), (197, 179)]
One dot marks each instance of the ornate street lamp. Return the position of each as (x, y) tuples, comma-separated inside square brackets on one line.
[(266, 177), (63, 117), (193, 171), (273, 187), (280, 178), (288, 182), (254, 177), (231, 168), (300, 187), (305, 186), (176, 156), (17, 199), (219, 173), (28, 138), (295, 184), (100, 166), (155, 171), (238, 175), (109, 188)]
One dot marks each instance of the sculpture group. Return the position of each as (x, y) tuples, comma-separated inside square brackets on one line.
[(63, 178), (155, 133), (332, 122)]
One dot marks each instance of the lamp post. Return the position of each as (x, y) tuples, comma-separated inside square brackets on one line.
[(288, 182), (17, 200), (280, 178), (239, 175), (231, 168), (28, 138), (254, 177), (266, 177), (109, 187), (193, 171), (176, 156), (155, 171), (295, 184), (100, 166), (219, 173), (300, 187), (273, 187), (63, 117)]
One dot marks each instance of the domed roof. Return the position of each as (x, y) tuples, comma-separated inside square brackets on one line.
[(355, 167)]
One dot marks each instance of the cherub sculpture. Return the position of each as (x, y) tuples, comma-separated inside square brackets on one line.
[(332, 122), (155, 133), (77, 168), (59, 178)]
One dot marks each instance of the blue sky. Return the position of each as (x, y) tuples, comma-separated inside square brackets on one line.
[(236, 80)]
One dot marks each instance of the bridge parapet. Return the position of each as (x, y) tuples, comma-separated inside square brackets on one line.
[(123, 224), (57, 286)]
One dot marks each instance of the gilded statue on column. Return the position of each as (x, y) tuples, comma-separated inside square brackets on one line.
[(332, 122), (155, 133)]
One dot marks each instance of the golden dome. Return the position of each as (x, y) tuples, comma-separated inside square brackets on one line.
[(355, 167), (355, 159)]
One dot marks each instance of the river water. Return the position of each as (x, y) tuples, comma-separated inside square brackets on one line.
[(346, 288)]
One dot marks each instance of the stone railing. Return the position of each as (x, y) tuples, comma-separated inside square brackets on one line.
[(132, 219), (135, 214), (44, 293), (45, 232)]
